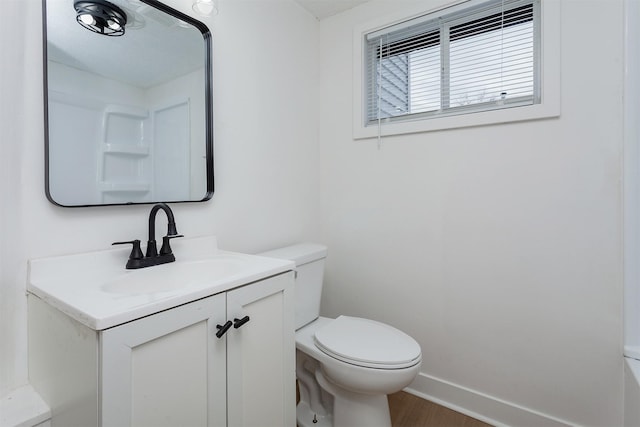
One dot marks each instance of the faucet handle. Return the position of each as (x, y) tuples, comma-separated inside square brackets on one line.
[(136, 252), (166, 247)]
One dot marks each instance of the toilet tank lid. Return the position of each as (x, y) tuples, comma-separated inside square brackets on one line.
[(301, 253)]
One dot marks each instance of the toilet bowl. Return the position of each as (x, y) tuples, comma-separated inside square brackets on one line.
[(355, 387), (345, 366)]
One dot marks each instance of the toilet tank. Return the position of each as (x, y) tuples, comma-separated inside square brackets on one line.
[(309, 259)]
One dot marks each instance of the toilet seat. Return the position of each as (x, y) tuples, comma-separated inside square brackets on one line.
[(367, 343)]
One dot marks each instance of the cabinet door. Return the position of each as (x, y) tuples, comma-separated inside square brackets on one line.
[(168, 369), (261, 354)]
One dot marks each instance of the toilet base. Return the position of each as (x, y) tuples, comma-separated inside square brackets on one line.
[(356, 409), (305, 417)]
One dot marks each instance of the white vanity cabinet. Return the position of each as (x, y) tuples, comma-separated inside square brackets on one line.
[(169, 368)]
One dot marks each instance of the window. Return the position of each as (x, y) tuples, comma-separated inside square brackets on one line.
[(480, 58)]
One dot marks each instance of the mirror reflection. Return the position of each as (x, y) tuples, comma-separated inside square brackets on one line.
[(128, 103)]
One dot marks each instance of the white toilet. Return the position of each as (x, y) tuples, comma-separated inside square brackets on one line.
[(345, 366)]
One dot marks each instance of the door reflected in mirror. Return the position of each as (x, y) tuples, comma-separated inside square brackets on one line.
[(128, 109)]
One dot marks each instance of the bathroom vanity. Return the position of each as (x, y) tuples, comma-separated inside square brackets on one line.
[(205, 341)]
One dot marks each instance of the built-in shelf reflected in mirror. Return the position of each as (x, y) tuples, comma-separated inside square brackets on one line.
[(128, 110)]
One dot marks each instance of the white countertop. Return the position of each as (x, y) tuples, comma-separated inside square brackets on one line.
[(96, 290)]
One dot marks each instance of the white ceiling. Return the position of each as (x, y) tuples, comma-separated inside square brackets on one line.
[(159, 47), (324, 8), (70, 44)]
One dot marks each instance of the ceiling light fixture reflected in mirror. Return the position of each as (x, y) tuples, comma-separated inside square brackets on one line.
[(205, 7), (100, 17)]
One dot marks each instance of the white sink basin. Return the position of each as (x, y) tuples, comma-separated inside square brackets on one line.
[(177, 276), (96, 290)]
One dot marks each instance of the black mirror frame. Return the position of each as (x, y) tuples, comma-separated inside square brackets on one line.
[(208, 71)]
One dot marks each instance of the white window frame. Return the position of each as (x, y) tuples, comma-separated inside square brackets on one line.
[(549, 105)]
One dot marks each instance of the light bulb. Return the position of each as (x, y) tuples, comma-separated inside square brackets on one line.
[(87, 19), (205, 7), (113, 25)]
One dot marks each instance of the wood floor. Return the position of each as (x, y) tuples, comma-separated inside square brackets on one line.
[(408, 410)]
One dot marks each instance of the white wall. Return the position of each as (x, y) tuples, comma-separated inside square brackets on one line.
[(77, 101), (632, 179), (498, 247), (266, 153)]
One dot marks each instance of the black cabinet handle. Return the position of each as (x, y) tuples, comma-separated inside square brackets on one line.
[(239, 322), (222, 329)]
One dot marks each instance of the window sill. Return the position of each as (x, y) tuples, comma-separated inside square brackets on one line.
[(507, 115)]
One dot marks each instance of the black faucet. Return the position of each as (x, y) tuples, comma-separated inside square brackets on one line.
[(137, 259)]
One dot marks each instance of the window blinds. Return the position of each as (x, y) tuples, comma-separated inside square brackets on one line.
[(482, 57)]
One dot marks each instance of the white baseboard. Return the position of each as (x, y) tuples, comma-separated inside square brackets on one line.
[(483, 407), (631, 392), (23, 407)]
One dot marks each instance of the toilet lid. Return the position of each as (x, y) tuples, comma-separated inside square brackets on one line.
[(367, 343)]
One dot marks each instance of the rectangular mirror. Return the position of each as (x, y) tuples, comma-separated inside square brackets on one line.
[(128, 103)]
